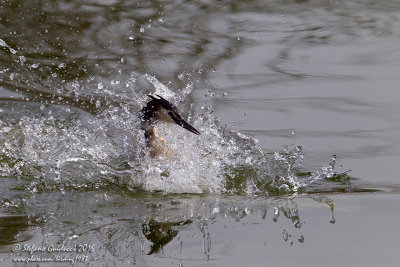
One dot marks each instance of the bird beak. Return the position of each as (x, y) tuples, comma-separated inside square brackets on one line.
[(188, 127)]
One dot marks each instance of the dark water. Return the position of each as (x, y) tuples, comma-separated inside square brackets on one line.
[(297, 103)]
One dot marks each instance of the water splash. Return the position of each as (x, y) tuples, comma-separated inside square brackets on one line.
[(57, 148), (4, 44)]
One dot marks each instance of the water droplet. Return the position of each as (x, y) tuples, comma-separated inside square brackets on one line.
[(22, 59), (332, 218), (131, 37), (285, 235), (297, 224), (61, 65), (100, 86), (141, 29), (276, 214), (54, 75), (35, 66)]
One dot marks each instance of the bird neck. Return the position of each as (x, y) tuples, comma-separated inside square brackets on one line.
[(156, 143)]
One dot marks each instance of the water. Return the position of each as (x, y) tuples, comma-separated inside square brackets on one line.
[(296, 101)]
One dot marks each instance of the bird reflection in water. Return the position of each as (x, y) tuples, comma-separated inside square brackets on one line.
[(160, 233)]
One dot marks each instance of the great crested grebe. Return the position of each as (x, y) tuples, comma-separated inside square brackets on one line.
[(160, 110)]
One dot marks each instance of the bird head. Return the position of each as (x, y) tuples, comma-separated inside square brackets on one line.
[(160, 109)]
